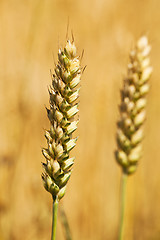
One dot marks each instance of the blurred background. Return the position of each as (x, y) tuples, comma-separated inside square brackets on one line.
[(30, 34)]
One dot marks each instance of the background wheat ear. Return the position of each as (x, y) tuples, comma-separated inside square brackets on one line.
[(132, 107), (133, 113), (63, 107)]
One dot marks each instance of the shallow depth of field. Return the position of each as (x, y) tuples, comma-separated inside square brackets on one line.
[(30, 34)]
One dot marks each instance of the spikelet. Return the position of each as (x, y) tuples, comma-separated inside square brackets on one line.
[(63, 106), (132, 107)]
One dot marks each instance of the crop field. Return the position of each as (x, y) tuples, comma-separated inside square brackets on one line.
[(30, 34)]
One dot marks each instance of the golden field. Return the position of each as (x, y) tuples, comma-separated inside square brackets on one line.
[(30, 34)]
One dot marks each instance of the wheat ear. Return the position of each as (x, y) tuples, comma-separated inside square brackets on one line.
[(63, 107), (133, 113)]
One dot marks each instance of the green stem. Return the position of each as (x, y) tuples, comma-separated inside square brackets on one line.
[(122, 205), (54, 219)]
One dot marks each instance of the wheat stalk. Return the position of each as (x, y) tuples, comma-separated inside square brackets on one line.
[(133, 113), (63, 107)]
